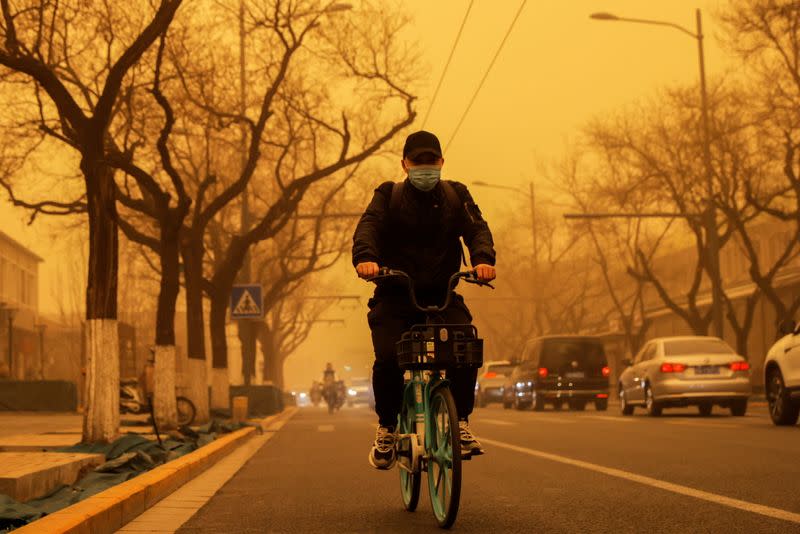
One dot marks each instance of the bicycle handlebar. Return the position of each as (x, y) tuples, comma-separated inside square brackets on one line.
[(468, 276)]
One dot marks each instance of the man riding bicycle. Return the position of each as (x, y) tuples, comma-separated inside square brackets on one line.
[(415, 226)]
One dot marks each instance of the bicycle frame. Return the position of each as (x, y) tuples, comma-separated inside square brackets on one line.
[(418, 391)]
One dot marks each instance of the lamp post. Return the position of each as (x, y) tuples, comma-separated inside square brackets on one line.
[(710, 216), (41, 327)]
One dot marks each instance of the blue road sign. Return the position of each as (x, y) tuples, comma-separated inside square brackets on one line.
[(246, 302)]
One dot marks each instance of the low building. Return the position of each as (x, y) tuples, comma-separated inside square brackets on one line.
[(21, 354)]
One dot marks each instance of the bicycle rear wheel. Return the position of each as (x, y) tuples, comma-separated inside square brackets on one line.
[(186, 411), (444, 458), (409, 481)]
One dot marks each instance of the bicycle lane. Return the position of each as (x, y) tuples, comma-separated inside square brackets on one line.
[(314, 477)]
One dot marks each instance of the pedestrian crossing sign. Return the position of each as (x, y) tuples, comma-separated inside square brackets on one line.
[(246, 302)]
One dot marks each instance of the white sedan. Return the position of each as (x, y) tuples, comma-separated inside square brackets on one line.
[(700, 371)]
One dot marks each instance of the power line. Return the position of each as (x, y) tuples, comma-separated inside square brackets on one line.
[(447, 64), (486, 74)]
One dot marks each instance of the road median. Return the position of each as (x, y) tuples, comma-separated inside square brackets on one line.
[(109, 510)]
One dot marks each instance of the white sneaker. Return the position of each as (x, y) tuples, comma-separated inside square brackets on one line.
[(470, 446), (383, 454)]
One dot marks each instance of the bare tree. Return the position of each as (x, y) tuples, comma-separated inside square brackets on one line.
[(764, 34), (72, 59), (318, 138)]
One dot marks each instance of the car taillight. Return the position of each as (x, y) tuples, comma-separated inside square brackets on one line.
[(673, 367), (602, 395), (490, 374), (739, 366), (606, 370), (543, 372)]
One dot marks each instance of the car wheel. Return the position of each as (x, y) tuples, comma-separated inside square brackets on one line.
[(653, 407), (739, 408), (782, 410), (705, 409), (627, 409), (481, 401), (538, 402), (601, 405)]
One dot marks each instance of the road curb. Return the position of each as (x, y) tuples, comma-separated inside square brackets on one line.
[(109, 510)]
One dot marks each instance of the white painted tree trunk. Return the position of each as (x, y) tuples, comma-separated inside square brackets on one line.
[(101, 407), (197, 390), (164, 388), (220, 389)]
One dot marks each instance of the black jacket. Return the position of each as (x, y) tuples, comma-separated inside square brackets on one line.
[(422, 237)]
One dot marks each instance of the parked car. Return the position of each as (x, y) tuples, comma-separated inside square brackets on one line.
[(558, 370), (697, 371), (782, 376), (360, 392), (491, 381)]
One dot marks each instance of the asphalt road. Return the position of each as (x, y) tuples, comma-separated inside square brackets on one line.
[(543, 472)]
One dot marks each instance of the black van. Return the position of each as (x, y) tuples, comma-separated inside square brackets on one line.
[(558, 370)]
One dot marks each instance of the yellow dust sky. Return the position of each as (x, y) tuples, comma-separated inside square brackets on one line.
[(557, 70)]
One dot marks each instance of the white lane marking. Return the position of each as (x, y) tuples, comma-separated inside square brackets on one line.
[(760, 509), (325, 428), (496, 422), (608, 418)]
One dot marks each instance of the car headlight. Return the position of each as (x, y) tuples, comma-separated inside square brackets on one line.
[(303, 395), (520, 384), (530, 384), (352, 392)]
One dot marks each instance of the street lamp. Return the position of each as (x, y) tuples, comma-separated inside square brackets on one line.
[(710, 215)]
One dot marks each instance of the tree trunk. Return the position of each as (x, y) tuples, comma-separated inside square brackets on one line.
[(220, 381), (164, 392), (101, 410), (219, 343), (197, 378), (273, 362), (247, 337)]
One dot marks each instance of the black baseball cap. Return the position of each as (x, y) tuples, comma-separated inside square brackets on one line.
[(421, 142)]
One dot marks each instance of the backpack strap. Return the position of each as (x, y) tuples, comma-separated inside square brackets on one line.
[(396, 198)]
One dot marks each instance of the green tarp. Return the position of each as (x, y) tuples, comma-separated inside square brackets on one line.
[(127, 457)]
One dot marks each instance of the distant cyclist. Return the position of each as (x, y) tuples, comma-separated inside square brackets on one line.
[(414, 226), (329, 374)]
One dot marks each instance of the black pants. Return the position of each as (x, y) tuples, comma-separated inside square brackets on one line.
[(388, 318)]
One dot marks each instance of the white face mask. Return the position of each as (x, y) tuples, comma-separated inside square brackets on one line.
[(425, 177)]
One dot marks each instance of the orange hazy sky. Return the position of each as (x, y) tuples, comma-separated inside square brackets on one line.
[(558, 70)]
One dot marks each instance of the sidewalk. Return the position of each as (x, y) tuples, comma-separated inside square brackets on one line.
[(29, 468)]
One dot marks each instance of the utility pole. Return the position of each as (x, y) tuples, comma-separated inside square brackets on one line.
[(246, 327), (712, 234), (709, 217)]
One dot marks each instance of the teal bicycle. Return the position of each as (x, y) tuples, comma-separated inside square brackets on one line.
[(428, 435)]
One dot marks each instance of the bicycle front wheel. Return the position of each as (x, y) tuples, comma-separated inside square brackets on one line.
[(444, 458), (409, 479)]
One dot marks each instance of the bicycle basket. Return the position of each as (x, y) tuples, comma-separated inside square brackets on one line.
[(440, 346)]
